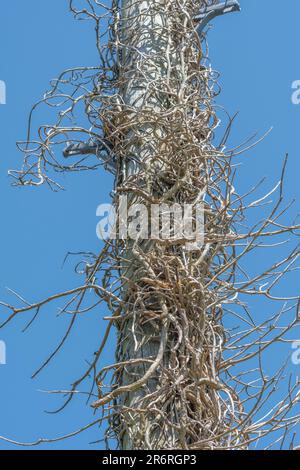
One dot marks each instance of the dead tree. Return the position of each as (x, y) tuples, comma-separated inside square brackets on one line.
[(188, 371)]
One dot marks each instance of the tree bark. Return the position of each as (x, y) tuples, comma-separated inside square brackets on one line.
[(144, 43)]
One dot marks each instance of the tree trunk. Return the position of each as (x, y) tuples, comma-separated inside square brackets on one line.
[(171, 337)]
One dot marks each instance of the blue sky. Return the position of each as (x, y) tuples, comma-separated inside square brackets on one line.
[(255, 52)]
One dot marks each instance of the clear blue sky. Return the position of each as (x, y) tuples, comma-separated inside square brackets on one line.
[(256, 54)]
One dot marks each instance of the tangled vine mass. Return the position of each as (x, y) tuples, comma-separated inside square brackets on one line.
[(189, 369)]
